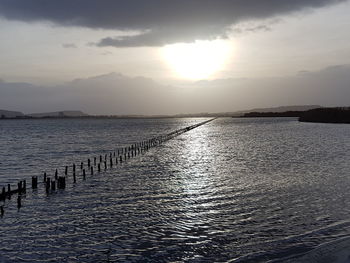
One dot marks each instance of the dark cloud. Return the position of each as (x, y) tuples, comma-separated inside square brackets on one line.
[(164, 21), (69, 45)]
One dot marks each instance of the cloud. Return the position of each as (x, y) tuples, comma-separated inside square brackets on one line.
[(163, 21), (69, 45), (118, 94)]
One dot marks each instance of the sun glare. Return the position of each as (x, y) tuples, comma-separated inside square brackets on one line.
[(198, 60)]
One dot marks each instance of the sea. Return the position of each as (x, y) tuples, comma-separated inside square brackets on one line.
[(232, 190)]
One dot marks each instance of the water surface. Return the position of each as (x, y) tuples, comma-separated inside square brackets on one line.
[(233, 190)]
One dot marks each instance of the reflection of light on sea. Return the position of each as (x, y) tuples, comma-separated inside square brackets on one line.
[(194, 183)]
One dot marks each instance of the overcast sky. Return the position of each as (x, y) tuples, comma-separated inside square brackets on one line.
[(165, 57)]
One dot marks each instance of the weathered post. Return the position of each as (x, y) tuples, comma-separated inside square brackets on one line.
[(111, 162), (66, 171), (84, 174), (44, 177), (61, 184), (56, 174), (48, 184), (19, 202), (89, 164), (34, 182), (92, 170), (19, 186), (81, 165), (24, 186), (73, 169), (99, 167), (53, 185), (9, 188), (94, 161)]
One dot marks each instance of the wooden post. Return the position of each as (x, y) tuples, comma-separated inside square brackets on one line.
[(99, 167), (48, 184), (100, 158), (34, 182), (74, 178), (3, 191), (66, 171), (8, 188), (19, 202), (111, 162), (94, 161), (81, 165), (56, 174), (92, 170), (61, 184), (24, 186), (105, 162), (2, 211), (53, 185), (89, 164), (74, 169), (44, 177), (84, 174)]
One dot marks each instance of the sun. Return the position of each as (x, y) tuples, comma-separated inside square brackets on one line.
[(198, 60)]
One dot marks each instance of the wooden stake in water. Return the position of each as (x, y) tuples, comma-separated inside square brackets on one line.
[(19, 202), (34, 182), (53, 185)]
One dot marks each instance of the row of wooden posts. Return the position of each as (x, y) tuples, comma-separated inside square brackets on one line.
[(102, 162)]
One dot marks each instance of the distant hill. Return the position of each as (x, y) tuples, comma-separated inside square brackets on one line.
[(284, 108), (10, 114), (273, 114), (58, 114)]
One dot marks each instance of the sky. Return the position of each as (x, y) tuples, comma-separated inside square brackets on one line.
[(170, 57)]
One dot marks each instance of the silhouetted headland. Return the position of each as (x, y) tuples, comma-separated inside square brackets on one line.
[(273, 114), (327, 115)]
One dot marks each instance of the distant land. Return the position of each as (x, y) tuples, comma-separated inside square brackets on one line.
[(5, 114), (311, 113), (327, 115), (10, 114), (58, 114)]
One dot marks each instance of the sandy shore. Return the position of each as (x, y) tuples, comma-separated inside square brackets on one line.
[(334, 252)]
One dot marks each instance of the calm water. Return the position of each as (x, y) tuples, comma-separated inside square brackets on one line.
[(233, 190)]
